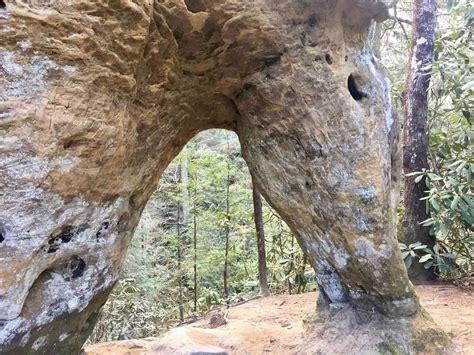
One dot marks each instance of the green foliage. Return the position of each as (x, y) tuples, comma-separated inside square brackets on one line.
[(450, 198), (147, 300)]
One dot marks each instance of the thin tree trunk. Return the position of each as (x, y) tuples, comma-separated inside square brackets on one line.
[(195, 244), (184, 179), (227, 226), (301, 286), (290, 286), (415, 140), (179, 209), (259, 227), (180, 277)]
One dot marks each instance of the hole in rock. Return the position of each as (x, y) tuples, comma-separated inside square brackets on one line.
[(103, 228), (67, 234), (312, 21), (175, 264), (53, 245), (328, 58), (74, 142), (2, 238), (272, 60), (195, 5), (356, 93), (2, 4), (77, 266)]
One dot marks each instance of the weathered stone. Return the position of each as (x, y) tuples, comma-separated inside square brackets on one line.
[(96, 99)]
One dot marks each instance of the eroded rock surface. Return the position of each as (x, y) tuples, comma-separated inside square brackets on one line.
[(97, 97)]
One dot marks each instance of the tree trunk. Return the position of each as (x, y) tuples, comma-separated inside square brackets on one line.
[(262, 260), (302, 285), (415, 141), (184, 178), (195, 244), (179, 252), (227, 224)]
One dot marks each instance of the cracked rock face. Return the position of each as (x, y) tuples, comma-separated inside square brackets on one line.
[(96, 99)]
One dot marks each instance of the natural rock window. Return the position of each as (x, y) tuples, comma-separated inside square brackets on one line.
[(354, 89)]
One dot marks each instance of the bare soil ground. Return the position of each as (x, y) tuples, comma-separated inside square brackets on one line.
[(275, 325)]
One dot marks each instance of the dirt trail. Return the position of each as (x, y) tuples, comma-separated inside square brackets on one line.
[(274, 325)]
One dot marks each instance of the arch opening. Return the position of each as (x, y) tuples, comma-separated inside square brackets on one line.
[(175, 267)]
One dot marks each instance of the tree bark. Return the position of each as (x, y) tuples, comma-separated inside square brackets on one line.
[(184, 178), (259, 228), (415, 140), (227, 225), (195, 244), (179, 216), (179, 252)]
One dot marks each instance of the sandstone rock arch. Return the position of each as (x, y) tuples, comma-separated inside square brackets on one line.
[(96, 98)]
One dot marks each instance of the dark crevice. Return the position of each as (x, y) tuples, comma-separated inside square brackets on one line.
[(356, 93), (53, 245), (245, 89), (194, 5), (328, 58), (73, 143), (2, 4), (272, 60), (312, 21), (104, 227), (66, 234), (77, 267), (2, 238)]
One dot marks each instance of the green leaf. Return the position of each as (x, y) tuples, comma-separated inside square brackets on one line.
[(449, 256), (468, 86), (455, 202), (460, 167), (418, 179), (408, 262), (402, 246), (425, 258), (435, 205), (434, 177)]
